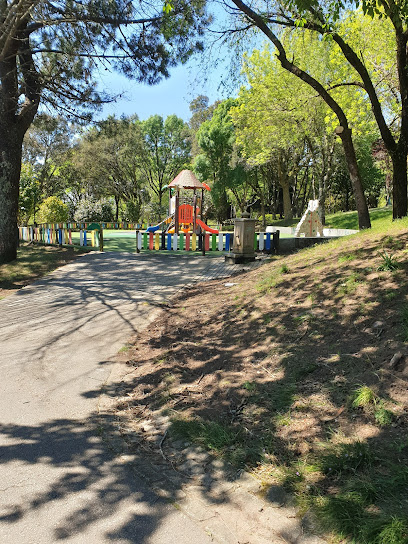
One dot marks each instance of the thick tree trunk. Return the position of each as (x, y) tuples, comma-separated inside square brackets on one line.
[(361, 203), (10, 166), (399, 184), (287, 202), (15, 118), (284, 183)]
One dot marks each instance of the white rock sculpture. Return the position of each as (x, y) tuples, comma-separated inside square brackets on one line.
[(310, 226)]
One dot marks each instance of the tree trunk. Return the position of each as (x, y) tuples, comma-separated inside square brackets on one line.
[(322, 199), (324, 180), (10, 166), (287, 202), (361, 203), (399, 182), (117, 208), (284, 183), (263, 213)]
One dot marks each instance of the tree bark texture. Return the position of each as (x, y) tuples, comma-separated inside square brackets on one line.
[(399, 181), (10, 166), (361, 202), (16, 115)]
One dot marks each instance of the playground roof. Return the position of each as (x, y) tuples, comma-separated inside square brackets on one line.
[(186, 179)]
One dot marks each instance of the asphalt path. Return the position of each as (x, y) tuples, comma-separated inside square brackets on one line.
[(58, 337)]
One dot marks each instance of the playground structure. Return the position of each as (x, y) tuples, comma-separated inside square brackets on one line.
[(185, 211), (310, 225), (182, 230)]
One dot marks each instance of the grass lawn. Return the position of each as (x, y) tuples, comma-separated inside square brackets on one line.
[(114, 240), (380, 217), (296, 372), (33, 262)]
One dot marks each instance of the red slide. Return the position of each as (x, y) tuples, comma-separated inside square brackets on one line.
[(206, 227)]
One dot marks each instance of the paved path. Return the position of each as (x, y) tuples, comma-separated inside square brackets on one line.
[(57, 338)]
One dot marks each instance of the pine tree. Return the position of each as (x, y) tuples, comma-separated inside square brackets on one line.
[(48, 55)]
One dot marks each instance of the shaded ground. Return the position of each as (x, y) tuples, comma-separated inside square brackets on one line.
[(59, 337), (33, 262), (297, 372)]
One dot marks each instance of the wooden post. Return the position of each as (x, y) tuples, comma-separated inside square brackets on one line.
[(176, 213), (101, 240), (195, 211)]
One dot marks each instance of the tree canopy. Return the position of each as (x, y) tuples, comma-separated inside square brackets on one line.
[(325, 20), (49, 52)]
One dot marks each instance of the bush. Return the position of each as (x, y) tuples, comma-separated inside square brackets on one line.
[(53, 210), (132, 211), (90, 210)]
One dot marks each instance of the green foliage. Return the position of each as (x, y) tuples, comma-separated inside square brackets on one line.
[(363, 397), (30, 194), (392, 530), (234, 444), (389, 263), (345, 458), (164, 152), (347, 258), (383, 416), (53, 210), (133, 210), (211, 435), (90, 209), (249, 386), (216, 138)]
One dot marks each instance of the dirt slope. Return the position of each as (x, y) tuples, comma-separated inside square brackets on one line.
[(296, 372)]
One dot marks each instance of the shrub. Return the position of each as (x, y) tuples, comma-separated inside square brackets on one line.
[(133, 209), (53, 210), (90, 209)]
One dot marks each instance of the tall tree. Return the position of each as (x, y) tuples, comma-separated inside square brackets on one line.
[(165, 150), (265, 16), (221, 161), (201, 110), (109, 160), (30, 194), (279, 118), (44, 147), (325, 19), (48, 53)]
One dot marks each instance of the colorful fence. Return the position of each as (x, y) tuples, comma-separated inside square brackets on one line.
[(84, 226), (267, 242), (61, 234), (55, 235)]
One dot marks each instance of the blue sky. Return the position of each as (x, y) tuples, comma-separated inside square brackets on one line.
[(172, 95)]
